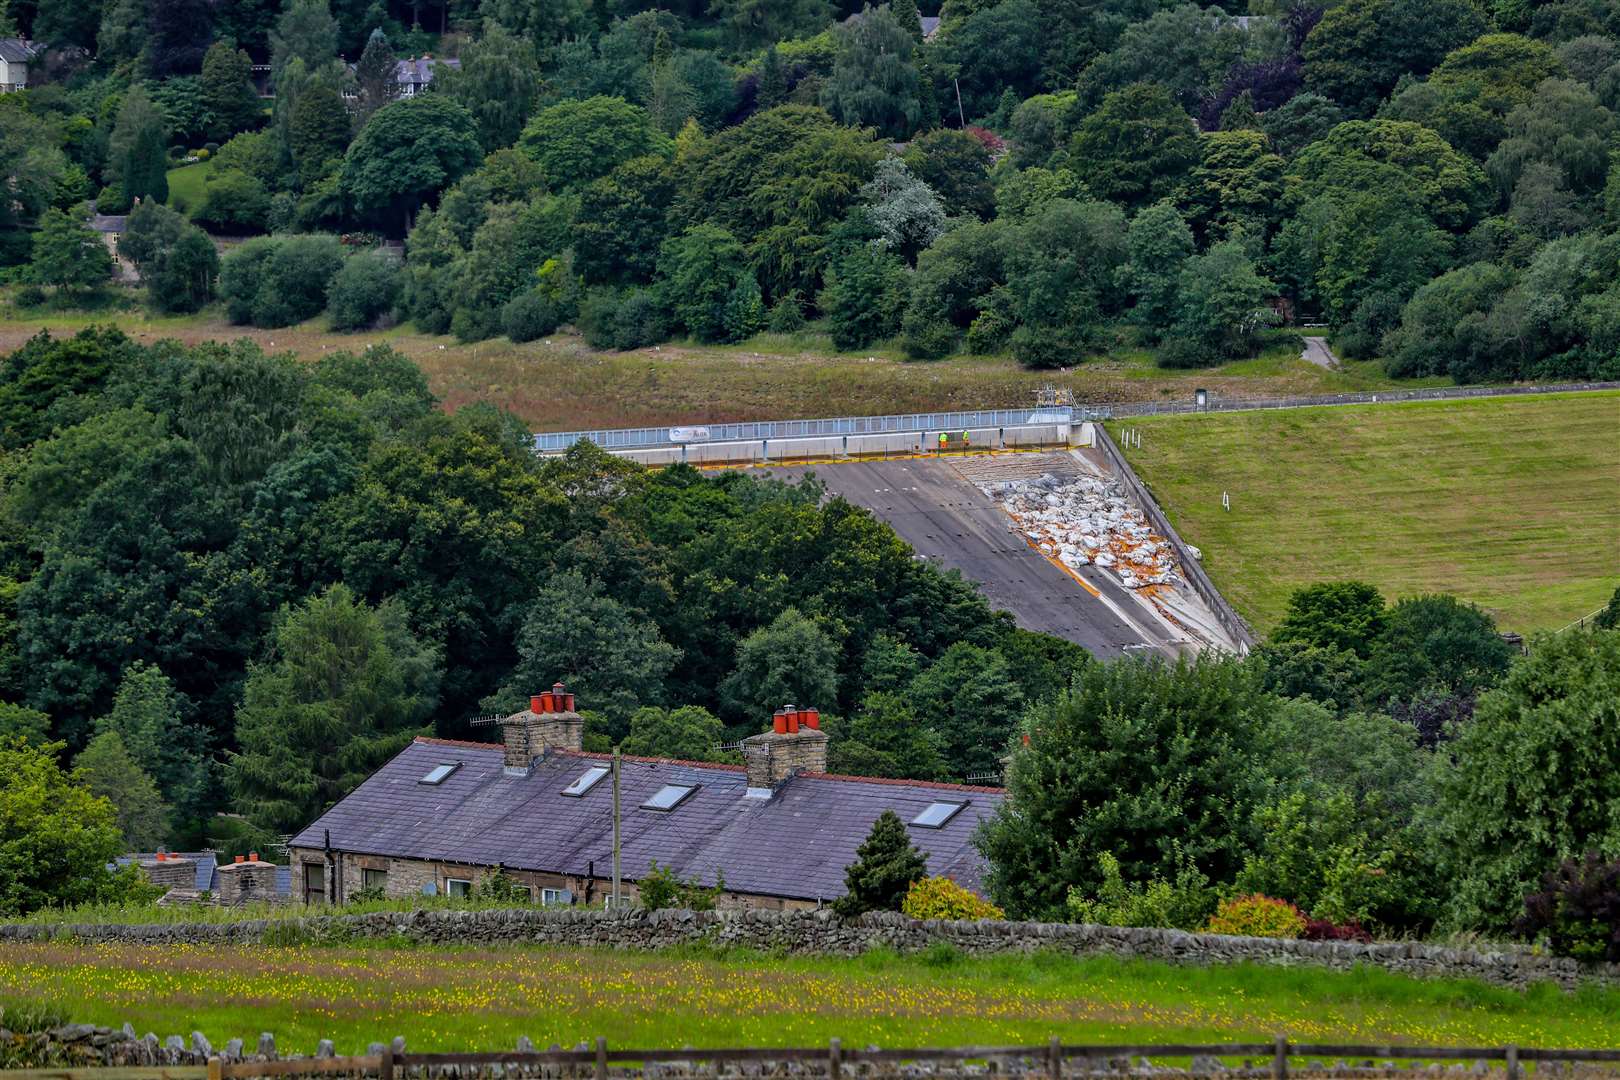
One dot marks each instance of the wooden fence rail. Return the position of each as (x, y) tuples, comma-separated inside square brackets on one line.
[(1052, 1055)]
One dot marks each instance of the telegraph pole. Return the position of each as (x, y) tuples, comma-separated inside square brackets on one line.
[(615, 904)]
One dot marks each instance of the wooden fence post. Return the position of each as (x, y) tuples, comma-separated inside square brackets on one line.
[(1512, 1057), (1054, 1058), (1279, 1059), (385, 1067), (835, 1059), (601, 1058), (216, 1068)]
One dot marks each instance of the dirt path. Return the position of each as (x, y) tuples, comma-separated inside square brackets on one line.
[(1318, 353)]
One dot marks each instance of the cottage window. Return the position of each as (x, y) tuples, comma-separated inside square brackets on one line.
[(556, 896), (586, 780), (440, 772), (669, 797), (374, 879), (457, 887), (937, 815)]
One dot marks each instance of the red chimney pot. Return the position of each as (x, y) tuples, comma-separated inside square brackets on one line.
[(240, 859), (792, 715), (253, 856), (813, 718), (779, 722), (568, 702), (535, 704)]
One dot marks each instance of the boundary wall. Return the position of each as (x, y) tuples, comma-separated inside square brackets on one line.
[(822, 933)]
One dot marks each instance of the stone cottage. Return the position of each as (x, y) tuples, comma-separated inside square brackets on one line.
[(443, 815)]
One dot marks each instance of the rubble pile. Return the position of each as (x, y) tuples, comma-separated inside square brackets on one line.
[(1085, 521)]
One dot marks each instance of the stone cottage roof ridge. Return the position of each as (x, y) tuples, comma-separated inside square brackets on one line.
[(596, 755)]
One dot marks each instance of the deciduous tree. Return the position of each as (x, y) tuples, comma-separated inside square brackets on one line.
[(1530, 777)]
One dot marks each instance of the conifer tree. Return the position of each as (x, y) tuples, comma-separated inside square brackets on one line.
[(773, 87), (885, 865), (137, 148)]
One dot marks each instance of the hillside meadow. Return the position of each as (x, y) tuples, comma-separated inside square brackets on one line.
[(560, 383), (1512, 504), (469, 998)]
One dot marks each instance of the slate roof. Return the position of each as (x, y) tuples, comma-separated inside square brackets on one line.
[(18, 51), (795, 844), (418, 70)]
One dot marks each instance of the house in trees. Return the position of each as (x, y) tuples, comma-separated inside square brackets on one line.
[(415, 74), (444, 815), (16, 55)]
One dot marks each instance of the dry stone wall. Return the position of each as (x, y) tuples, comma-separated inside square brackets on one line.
[(822, 933)]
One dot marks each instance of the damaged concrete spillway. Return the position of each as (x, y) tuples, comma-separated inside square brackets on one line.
[(1053, 538)]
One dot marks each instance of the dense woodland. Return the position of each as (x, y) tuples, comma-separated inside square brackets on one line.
[(1436, 179), (233, 584)]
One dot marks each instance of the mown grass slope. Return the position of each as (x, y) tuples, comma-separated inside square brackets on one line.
[(443, 999), (1510, 503), (186, 186)]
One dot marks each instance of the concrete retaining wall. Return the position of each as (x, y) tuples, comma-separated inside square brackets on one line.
[(1228, 617), (820, 933)]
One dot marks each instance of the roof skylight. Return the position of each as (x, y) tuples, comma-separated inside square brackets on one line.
[(937, 815), (669, 797), (440, 772), (586, 780)]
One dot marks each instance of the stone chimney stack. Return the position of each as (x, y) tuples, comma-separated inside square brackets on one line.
[(794, 744), (550, 723), (170, 871), (246, 881)]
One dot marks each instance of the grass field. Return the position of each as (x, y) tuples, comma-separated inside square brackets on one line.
[(1510, 503), (442, 999), (186, 186), (563, 384)]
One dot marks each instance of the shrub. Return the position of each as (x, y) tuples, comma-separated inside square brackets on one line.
[(278, 281), (500, 887), (787, 314), (530, 315), (233, 201), (942, 898), (661, 888), (1048, 346), (926, 337), (1257, 916), (1183, 905), (1328, 930), (1577, 909), (611, 319), (30, 296), (364, 290)]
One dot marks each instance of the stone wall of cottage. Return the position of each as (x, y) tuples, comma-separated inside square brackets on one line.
[(821, 933), (410, 877)]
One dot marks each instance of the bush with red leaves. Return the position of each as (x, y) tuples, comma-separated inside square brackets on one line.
[(1328, 930), (1578, 908)]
